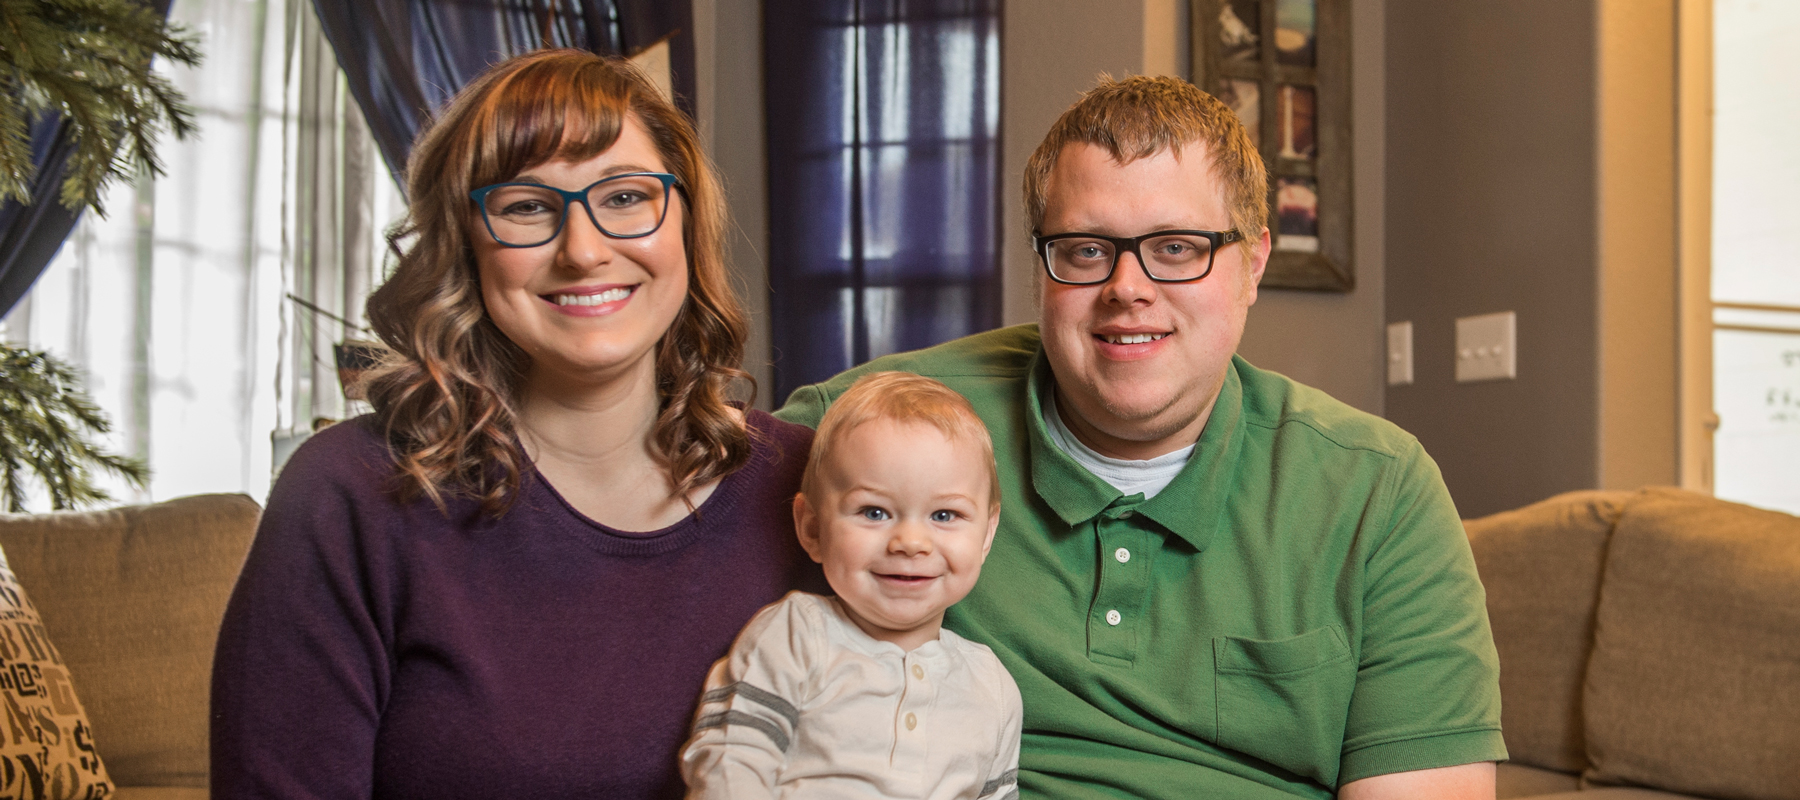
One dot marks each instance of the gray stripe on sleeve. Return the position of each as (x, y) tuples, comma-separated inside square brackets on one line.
[(1010, 776), (724, 718), (752, 693)]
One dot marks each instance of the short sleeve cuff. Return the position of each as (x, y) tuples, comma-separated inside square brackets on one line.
[(1428, 752)]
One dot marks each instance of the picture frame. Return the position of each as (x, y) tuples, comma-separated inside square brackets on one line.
[(1284, 66)]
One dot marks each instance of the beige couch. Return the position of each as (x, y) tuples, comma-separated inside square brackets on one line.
[(1647, 639), (132, 598), (1649, 646)]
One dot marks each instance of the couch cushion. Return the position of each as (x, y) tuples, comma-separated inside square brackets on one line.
[(1616, 793), (1517, 780), (133, 597), (1541, 568), (1694, 683), (46, 744), (160, 793)]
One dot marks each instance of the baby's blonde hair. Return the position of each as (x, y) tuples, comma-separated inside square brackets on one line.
[(901, 397)]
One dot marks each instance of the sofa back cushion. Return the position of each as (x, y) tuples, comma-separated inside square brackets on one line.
[(133, 598), (1694, 683), (1541, 567)]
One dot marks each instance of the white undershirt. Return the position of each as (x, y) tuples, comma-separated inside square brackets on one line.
[(1129, 477)]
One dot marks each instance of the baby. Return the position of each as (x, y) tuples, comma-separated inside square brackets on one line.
[(865, 694)]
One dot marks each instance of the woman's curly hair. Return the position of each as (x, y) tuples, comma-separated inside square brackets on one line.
[(445, 396)]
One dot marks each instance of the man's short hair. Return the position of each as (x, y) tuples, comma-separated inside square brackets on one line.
[(1141, 116), (901, 397)]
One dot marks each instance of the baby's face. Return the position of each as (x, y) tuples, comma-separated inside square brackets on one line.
[(901, 523)]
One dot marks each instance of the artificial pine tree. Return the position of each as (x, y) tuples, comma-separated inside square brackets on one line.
[(88, 60), (45, 422)]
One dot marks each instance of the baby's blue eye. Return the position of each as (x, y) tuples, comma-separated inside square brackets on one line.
[(943, 515), (874, 514)]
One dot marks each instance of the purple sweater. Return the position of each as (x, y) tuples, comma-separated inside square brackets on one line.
[(374, 649)]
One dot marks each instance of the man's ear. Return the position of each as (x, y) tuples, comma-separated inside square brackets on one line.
[(1258, 252), (806, 527)]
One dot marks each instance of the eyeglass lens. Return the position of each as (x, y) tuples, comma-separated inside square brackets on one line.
[(527, 215), (1169, 258)]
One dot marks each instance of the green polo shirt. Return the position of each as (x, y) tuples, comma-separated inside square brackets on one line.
[(1297, 610)]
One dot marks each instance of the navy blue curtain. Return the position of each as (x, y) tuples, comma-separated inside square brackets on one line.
[(31, 234), (884, 158), (405, 58)]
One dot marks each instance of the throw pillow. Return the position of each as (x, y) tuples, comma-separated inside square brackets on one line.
[(46, 744)]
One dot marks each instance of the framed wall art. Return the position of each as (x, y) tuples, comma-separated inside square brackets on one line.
[(1284, 67)]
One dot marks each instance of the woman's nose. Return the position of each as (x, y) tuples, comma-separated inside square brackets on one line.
[(583, 246)]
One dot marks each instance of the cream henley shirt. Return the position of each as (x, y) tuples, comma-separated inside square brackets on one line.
[(808, 705)]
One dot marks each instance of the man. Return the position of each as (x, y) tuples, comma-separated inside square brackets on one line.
[(1209, 581)]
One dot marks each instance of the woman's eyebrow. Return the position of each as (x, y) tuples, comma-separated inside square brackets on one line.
[(616, 169)]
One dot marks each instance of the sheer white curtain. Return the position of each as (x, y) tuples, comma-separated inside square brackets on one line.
[(1756, 253), (178, 306)]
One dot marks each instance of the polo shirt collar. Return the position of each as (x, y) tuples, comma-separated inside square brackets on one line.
[(1191, 507)]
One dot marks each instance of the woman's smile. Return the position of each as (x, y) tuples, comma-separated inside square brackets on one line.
[(590, 301)]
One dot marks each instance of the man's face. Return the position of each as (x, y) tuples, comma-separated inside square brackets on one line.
[(1122, 395)]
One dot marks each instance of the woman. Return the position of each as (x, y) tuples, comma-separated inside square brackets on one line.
[(509, 581)]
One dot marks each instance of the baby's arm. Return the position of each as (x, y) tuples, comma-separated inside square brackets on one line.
[(1003, 775), (750, 710)]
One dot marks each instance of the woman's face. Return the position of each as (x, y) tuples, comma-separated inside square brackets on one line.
[(588, 308)]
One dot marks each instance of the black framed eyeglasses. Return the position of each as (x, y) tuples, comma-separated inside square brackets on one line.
[(1086, 259), (628, 206)]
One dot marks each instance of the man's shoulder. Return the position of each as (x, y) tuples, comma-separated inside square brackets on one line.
[(1001, 354), (997, 353), (1284, 406)]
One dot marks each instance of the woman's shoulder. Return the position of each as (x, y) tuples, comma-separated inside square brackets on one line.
[(353, 450), (346, 465), (776, 446), (780, 433)]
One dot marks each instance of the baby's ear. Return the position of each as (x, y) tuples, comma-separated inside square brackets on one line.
[(993, 524), (806, 527)]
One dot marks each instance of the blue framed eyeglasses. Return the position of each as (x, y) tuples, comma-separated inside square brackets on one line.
[(628, 206)]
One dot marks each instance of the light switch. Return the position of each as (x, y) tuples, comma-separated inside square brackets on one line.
[(1399, 354), (1485, 347)]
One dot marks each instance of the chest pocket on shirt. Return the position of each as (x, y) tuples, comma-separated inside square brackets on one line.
[(1285, 701)]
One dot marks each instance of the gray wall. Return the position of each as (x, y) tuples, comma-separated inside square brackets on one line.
[(1337, 342), (728, 58), (1491, 198)]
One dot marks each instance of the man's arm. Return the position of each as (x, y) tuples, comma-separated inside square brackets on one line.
[(1464, 782)]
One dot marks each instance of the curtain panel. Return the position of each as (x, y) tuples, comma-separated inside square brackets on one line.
[(883, 131), (31, 234), (404, 59)]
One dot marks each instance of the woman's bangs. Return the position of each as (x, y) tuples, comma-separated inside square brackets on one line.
[(548, 113)]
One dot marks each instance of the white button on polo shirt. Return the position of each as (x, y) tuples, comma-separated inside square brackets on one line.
[(1113, 617), (1122, 555)]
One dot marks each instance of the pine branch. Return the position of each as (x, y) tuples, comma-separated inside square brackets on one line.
[(46, 428), (90, 61)]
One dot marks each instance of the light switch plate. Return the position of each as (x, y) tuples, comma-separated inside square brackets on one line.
[(1486, 347), (1399, 354)]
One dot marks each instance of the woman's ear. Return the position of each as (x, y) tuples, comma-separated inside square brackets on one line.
[(806, 526)]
